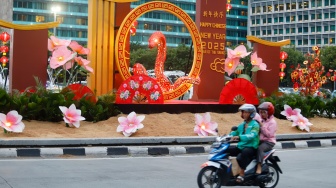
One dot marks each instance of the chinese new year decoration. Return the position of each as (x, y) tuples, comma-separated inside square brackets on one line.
[(228, 6), (4, 49), (310, 78), (139, 89), (239, 91), (157, 39), (133, 28), (282, 66)]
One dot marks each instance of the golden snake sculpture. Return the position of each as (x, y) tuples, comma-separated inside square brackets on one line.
[(157, 39)]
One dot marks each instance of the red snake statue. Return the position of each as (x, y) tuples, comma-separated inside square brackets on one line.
[(157, 39)]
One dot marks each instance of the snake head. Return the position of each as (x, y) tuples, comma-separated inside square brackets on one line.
[(156, 39)]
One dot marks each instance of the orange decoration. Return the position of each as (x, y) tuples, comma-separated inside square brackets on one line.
[(312, 77)]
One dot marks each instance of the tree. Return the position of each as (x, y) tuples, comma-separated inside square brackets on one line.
[(328, 59), (176, 58), (294, 58)]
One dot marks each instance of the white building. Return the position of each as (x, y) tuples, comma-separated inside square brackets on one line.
[(305, 22)]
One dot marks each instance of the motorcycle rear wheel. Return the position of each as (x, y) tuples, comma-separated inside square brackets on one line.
[(207, 177), (275, 177)]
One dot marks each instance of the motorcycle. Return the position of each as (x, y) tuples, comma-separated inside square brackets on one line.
[(217, 171)]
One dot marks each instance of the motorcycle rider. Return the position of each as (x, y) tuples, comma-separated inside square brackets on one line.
[(268, 127), (247, 135)]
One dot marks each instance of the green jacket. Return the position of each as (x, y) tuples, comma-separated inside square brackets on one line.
[(250, 138)]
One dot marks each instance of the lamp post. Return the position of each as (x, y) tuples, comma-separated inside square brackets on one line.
[(55, 10)]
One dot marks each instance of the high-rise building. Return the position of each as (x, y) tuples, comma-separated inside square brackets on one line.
[(175, 31), (72, 15), (236, 23), (305, 22), (73, 18), (171, 26)]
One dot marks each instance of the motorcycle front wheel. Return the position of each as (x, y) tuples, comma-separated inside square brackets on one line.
[(208, 177), (275, 177)]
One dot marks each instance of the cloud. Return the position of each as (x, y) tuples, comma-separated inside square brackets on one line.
[(218, 65)]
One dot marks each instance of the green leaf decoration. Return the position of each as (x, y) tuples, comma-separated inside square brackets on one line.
[(247, 77), (240, 67), (255, 69)]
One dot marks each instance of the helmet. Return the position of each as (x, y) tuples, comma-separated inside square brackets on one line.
[(268, 106), (248, 108)]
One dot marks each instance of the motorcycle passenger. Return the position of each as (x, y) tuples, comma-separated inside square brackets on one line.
[(268, 127), (247, 135)]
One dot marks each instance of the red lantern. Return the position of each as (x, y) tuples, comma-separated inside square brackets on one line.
[(283, 55), (4, 60), (135, 23), (133, 31), (228, 7), (281, 74), (282, 66), (4, 50), (4, 37)]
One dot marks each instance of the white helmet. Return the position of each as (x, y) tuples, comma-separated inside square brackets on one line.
[(248, 108)]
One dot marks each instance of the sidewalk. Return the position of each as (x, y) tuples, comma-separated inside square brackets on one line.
[(147, 146)]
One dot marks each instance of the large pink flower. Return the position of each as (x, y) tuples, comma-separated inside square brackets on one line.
[(83, 63), (204, 126), (231, 65), (238, 52), (288, 112), (54, 43), (72, 116), (130, 124), (12, 121), (78, 48), (300, 121), (256, 61), (60, 56)]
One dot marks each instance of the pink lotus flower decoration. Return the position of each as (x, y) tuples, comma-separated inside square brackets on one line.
[(239, 52), (61, 56), (78, 48), (231, 65), (72, 116), (84, 63), (302, 122), (204, 126), (288, 112), (54, 43), (12, 121), (130, 124), (257, 62)]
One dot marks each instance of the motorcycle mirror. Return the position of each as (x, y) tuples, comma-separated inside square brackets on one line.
[(234, 128)]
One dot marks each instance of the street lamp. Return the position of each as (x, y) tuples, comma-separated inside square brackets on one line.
[(55, 9)]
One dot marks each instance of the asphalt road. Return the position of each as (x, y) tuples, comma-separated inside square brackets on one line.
[(309, 168)]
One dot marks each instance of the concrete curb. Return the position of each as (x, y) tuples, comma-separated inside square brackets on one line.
[(72, 142), (138, 151)]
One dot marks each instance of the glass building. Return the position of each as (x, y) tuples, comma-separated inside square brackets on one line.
[(175, 31), (171, 26), (305, 22), (73, 16), (236, 23)]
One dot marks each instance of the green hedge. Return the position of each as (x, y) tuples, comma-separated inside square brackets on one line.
[(44, 105), (310, 106)]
